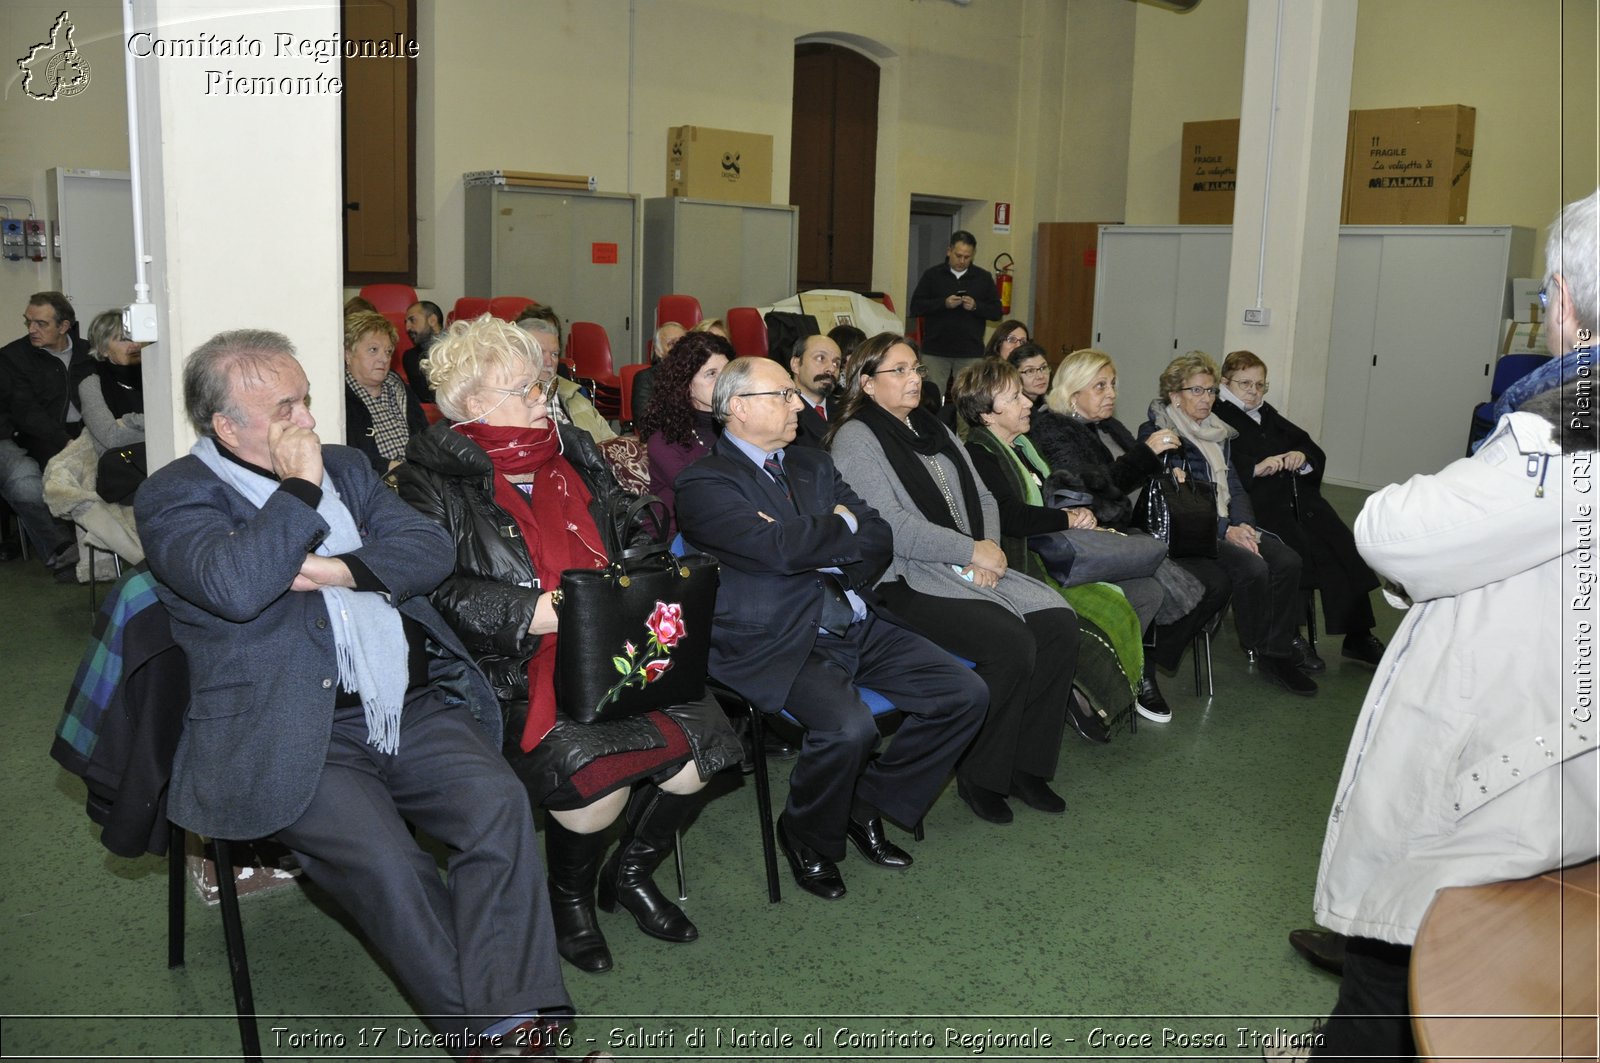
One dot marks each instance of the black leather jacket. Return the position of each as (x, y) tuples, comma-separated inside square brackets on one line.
[(490, 597)]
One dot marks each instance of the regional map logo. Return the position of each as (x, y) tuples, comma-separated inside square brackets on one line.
[(55, 69)]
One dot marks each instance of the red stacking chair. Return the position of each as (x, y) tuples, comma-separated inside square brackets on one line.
[(390, 298), (748, 333), (684, 309), (590, 350), (468, 307), (507, 307)]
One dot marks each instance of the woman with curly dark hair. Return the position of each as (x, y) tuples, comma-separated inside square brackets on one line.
[(677, 428)]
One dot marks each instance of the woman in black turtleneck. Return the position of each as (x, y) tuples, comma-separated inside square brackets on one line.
[(677, 428)]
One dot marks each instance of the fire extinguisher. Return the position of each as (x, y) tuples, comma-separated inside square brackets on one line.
[(1003, 280)]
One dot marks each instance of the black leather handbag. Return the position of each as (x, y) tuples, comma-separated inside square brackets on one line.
[(635, 635), (1184, 514)]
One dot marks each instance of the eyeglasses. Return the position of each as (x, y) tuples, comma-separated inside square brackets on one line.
[(783, 395), (1250, 385), (1034, 370), (544, 387), (1199, 392), (1544, 298), (901, 371)]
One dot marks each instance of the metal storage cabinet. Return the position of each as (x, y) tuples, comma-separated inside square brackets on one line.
[(574, 251), (723, 254), (1416, 326)]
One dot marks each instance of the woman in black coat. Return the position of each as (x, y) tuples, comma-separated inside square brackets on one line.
[(1281, 468), (1089, 450), (521, 498)]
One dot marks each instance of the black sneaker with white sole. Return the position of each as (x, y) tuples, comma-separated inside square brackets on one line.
[(1149, 703)]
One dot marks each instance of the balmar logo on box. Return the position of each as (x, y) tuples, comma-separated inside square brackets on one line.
[(730, 165), (54, 69)]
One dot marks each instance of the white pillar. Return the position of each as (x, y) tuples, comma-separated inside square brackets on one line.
[(241, 194), (1294, 121)]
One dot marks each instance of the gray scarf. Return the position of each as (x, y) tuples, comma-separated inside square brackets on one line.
[(367, 633)]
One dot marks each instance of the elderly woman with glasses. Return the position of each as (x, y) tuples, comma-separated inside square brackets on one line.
[(1264, 572), (521, 497), (1281, 467), (950, 581)]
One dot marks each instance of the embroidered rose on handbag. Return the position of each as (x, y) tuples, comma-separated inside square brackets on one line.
[(643, 667)]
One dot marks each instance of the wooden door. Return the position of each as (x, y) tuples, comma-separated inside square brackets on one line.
[(833, 165), (1063, 291), (380, 158)]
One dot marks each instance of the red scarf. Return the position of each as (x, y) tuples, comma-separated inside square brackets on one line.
[(556, 528)]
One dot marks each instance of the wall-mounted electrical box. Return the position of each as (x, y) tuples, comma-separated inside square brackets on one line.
[(33, 232), (11, 241)]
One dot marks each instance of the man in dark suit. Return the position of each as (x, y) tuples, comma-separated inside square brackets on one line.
[(331, 705), (793, 633), (815, 365)]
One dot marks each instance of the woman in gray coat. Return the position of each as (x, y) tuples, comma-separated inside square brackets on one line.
[(949, 580)]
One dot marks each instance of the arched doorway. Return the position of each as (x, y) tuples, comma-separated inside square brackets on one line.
[(833, 164)]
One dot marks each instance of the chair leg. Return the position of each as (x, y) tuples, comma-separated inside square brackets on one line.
[(769, 843), (1195, 650), (677, 858), (1211, 687), (238, 966), (916, 831), (177, 840), (1311, 618)]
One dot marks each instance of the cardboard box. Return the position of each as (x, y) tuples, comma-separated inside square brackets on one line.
[(1409, 166), (1522, 337), (1207, 171), (722, 164)]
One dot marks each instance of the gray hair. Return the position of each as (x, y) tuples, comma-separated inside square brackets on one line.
[(539, 324), (1572, 249), (216, 366), (656, 340), (106, 326), (733, 379)]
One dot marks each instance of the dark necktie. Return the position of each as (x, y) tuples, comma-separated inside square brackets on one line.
[(822, 411), (774, 469)]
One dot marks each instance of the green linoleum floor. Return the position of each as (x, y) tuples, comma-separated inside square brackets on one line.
[(1187, 853)]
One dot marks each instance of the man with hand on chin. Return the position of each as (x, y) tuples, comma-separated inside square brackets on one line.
[(332, 706)]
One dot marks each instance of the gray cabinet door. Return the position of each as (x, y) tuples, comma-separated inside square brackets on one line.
[(723, 254), (575, 253)]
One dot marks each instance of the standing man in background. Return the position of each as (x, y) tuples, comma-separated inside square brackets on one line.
[(954, 300)]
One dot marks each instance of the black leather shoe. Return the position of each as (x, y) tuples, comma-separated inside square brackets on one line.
[(871, 842), (985, 804), (1084, 720), (1322, 948), (814, 873), (1305, 658), (1363, 648), (1283, 672), (1036, 794), (1149, 703)]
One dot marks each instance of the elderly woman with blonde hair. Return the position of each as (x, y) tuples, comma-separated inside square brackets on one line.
[(521, 497), (380, 412), (1264, 572)]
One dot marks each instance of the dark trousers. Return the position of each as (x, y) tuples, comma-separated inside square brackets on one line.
[(1266, 592), (1372, 1018), (943, 704), (1172, 639), (471, 951), (1027, 662), (1334, 566)]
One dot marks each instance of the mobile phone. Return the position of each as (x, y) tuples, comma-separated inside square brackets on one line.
[(961, 292)]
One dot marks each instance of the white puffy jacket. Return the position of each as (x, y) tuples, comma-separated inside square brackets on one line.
[(1474, 758)]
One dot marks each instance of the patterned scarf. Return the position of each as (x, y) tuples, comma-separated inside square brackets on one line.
[(549, 502), (388, 412)]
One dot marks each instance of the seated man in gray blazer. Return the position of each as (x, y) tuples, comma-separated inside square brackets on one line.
[(330, 705)]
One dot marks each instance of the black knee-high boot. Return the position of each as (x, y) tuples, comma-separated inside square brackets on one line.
[(654, 817), (573, 862)]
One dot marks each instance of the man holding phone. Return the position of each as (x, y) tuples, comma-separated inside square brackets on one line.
[(954, 300)]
